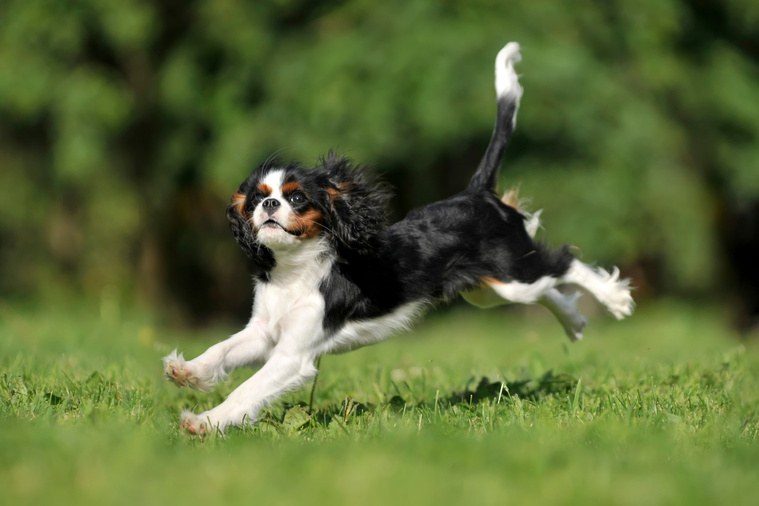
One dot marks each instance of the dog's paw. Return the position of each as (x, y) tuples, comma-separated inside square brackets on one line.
[(184, 374), (574, 322), (564, 307), (619, 301), (194, 424)]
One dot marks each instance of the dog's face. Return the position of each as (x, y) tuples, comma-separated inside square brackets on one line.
[(282, 206)]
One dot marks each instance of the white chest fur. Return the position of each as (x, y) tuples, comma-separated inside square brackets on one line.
[(292, 291)]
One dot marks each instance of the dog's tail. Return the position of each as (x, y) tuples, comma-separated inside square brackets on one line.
[(508, 92)]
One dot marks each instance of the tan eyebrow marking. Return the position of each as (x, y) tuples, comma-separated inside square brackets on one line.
[(291, 187)]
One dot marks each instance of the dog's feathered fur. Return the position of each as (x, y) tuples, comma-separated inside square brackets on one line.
[(331, 275)]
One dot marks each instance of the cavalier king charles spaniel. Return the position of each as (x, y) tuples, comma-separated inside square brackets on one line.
[(332, 275)]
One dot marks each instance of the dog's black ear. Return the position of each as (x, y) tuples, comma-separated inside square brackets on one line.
[(358, 206), (242, 229)]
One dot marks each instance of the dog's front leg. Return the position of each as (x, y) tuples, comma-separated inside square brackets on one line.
[(247, 347), (283, 372)]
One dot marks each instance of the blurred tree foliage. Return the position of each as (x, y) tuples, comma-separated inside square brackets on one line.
[(126, 124)]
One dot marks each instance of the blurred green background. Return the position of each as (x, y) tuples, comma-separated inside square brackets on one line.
[(125, 125)]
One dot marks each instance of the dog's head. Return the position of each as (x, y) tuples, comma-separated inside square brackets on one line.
[(283, 206)]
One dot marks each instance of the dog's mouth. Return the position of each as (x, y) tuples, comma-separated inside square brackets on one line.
[(271, 223)]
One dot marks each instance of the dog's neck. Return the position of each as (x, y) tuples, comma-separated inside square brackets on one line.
[(304, 262)]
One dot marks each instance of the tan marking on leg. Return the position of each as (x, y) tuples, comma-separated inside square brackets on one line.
[(485, 296), (488, 280)]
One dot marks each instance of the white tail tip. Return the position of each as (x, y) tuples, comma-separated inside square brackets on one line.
[(506, 80)]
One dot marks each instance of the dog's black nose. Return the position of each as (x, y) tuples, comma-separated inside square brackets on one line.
[(270, 205)]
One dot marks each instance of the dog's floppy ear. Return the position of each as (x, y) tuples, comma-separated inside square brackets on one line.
[(358, 206), (238, 213)]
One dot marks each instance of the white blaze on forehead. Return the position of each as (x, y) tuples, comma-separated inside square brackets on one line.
[(275, 180), (274, 237)]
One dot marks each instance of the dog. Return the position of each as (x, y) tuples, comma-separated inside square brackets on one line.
[(332, 275)]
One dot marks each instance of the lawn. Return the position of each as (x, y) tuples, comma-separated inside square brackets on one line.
[(473, 407)]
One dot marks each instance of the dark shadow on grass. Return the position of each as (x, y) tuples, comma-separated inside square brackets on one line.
[(529, 389), (296, 416)]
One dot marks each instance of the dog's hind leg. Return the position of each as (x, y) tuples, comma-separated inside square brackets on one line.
[(564, 308), (524, 293)]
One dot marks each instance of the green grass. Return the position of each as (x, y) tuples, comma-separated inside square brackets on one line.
[(662, 408)]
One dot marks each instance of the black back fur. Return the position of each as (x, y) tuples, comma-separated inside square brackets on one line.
[(435, 252)]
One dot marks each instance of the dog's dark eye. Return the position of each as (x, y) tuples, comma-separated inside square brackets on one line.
[(256, 198), (297, 198)]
